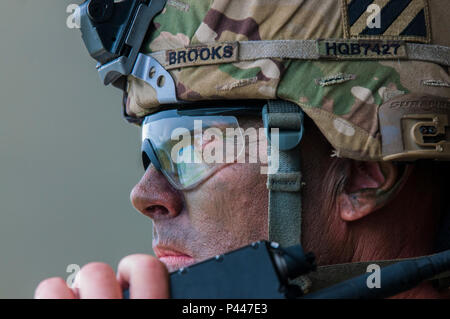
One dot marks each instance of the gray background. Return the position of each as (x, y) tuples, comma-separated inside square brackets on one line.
[(67, 158)]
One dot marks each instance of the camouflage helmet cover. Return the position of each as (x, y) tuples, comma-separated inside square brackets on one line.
[(343, 98)]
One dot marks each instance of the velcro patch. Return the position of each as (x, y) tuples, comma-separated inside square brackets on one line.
[(362, 49), (407, 20), (201, 55)]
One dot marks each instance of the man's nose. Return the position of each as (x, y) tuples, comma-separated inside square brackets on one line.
[(154, 197)]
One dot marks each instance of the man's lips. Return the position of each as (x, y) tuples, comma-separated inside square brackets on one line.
[(172, 258)]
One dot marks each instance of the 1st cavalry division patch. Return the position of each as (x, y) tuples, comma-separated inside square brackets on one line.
[(387, 19)]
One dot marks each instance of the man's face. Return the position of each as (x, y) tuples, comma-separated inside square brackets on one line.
[(229, 210), (225, 212)]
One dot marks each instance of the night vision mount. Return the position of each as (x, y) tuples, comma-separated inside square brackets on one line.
[(113, 32)]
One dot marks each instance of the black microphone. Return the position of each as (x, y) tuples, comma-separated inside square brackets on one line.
[(395, 278)]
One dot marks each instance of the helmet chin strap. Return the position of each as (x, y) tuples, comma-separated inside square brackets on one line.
[(284, 175), (285, 209), (284, 178)]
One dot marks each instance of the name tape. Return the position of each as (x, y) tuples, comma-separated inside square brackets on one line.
[(313, 50), (201, 55), (362, 49)]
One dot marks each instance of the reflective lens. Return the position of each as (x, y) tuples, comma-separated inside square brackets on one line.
[(190, 148)]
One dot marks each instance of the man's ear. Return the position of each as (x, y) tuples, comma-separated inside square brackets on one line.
[(370, 186)]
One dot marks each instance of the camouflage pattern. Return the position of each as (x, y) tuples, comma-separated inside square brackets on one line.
[(345, 111)]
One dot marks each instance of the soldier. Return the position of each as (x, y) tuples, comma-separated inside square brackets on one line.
[(360, 94)]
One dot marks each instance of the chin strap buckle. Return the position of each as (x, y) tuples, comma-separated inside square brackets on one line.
[(288, 119)]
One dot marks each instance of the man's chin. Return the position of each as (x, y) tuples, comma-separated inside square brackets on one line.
[(174, 263)]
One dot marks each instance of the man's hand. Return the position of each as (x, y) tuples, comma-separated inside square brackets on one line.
[(144, 276)]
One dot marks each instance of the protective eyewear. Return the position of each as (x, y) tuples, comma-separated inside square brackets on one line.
[(190, 145)]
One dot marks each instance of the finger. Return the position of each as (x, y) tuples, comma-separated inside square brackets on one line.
[(98, 281), (53, 288), (145, 275)]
